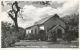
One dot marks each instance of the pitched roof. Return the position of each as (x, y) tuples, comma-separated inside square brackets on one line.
[(43, 20), (53, 28), (29, 27)]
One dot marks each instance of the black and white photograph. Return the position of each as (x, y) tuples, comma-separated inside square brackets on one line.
[(40, 24)]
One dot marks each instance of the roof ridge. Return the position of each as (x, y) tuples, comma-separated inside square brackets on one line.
[(54, 27), (41, 21)]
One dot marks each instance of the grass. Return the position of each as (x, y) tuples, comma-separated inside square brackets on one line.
[(43, 44)]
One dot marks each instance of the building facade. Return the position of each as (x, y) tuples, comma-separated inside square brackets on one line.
[(51, 25)]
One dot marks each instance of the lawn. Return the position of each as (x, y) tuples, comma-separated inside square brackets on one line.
[(43, 44)]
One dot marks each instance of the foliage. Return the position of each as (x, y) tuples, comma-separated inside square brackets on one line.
[(72, 27), (10, 36), (45, 2), (30, 36), (71, 35)]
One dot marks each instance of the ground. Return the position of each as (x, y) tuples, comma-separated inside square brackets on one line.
[(44, 44)]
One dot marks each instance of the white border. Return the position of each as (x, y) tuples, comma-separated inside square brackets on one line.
[(33, 48)]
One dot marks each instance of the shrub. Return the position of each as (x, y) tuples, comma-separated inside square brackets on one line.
[(8, 40), (30, 36), (71, 35), (10, 35), (21, 34)]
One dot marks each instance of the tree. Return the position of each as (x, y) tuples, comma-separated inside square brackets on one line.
[(72, 27), (9, 36), (14, 13), (45, 3)]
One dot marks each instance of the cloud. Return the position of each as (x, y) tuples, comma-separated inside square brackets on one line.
[(4, 17), (32, 13), (69, 7), (36, 13)]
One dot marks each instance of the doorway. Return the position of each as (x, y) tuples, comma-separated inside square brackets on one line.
[(59, 33), (42, 35)]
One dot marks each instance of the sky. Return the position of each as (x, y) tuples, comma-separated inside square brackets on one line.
[(33, 11)]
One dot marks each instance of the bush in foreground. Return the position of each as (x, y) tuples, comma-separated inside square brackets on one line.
[(10, 35)]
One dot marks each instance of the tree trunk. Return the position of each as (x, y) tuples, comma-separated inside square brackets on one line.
[(16, 25), (15, 21), (14, 18)]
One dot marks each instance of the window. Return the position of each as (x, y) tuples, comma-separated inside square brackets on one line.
[(41, 27)]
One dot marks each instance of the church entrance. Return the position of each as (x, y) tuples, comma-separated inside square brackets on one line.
[(42, 35), (59, 33)]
